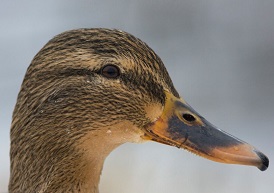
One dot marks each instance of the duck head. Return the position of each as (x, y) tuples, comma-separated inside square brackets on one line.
[(90, 90)]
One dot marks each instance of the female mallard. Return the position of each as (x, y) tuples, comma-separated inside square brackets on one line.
[(87, 92)]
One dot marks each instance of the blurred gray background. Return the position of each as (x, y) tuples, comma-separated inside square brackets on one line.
[(220, 55)]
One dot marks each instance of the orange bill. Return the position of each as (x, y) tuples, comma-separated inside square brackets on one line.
[(181, 126)]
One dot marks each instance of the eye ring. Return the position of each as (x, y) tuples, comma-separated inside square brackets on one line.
[(110, 71)]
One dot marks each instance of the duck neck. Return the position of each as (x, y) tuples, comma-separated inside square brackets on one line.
[(46, 167), (64, 161), (77, 175)]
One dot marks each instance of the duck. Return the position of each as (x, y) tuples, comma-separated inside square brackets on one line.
[(88, 91)]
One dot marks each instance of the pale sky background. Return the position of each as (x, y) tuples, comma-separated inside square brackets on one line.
[(220, 55)]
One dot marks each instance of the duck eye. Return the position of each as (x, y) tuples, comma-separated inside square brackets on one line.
[(110, 71), (189, 117)]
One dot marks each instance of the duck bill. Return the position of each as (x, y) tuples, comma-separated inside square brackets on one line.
[(181, 126)]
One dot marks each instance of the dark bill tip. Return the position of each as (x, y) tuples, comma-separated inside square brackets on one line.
[(265, 161)]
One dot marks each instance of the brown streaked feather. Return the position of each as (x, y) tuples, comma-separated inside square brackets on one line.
[(64, 101)]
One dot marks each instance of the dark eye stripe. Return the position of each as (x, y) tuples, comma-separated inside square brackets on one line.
[(110, 71), (72, 72)]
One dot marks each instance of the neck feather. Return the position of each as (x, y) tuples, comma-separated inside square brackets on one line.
[(59, 160)]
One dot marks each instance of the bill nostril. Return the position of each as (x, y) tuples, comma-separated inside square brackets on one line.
[(188, 117)]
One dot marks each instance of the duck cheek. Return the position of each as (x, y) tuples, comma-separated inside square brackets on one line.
[(180, 126), (153, 111)]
